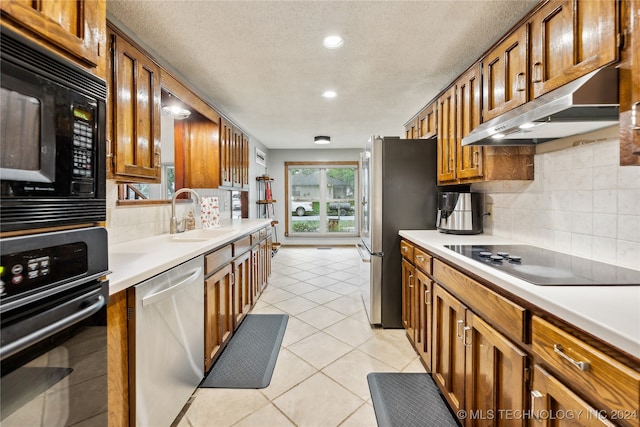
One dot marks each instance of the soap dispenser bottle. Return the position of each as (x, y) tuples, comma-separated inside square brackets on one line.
[(190, 223)]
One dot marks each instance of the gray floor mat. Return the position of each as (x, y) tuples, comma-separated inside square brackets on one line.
[(250, 357), (408, 400)]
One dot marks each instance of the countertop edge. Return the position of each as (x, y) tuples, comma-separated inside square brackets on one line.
[(557, 300), (135, 261)]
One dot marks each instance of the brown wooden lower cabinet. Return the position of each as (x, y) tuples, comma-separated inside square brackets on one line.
[(448, 347), (479, 370), (408, 297), (118, 360), (554, 404), (242, 289), (423, 312), (495, 376), (218, 317), (497, 363)]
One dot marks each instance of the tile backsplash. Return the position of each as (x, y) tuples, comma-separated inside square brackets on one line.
[(580, 202), (126, 223)]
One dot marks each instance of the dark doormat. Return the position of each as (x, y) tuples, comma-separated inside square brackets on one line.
[(408, 400), (250, 357)]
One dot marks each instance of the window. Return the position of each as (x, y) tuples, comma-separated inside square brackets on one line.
[(163, 191), (321, 199)]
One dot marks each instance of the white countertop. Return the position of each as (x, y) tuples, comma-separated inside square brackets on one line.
[(138, 260), (611, 313)]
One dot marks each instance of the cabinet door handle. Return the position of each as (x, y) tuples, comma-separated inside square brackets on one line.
[(635, 122), (410, 280), (464, 336), (535, 395), (459, 323), (451, 164), (521, 83), (583, 366), (537, 72), (426, 297), (476, 158)]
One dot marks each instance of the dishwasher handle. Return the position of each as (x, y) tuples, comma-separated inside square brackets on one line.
[(166, 293)]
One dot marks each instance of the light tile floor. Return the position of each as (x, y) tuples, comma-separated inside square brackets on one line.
[(320, 378)]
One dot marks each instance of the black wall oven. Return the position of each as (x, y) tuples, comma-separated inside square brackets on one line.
[(53, 329), (52, 139)]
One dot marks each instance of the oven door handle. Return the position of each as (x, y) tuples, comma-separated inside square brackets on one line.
[(23, 342)]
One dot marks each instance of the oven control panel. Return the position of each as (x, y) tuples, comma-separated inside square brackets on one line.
[(28, 270)]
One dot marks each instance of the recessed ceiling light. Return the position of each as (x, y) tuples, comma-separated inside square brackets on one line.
[(329, 94), (332, 42), (322, 139)]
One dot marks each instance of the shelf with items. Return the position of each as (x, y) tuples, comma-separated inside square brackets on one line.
[(265, 206)]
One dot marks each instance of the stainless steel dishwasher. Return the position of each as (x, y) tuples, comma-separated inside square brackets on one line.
[(168, 321)]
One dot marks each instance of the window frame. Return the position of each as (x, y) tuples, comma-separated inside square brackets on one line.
[(322, 214)]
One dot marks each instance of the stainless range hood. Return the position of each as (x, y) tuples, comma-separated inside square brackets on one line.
[(581, 106)]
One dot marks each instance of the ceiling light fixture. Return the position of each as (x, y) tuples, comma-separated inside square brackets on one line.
[(329, 94), (332, 42), (322, 139), (176, 111)]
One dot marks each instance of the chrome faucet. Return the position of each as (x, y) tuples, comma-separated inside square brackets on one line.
[(173, 224)]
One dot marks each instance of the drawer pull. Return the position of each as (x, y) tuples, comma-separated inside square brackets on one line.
[(420, 257), (405, 249), (535, 395), (583, 366)]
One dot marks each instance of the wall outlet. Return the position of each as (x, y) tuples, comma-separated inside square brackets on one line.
[(488, 209)]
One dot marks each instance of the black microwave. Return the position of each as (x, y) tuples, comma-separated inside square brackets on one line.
[(52, 139)]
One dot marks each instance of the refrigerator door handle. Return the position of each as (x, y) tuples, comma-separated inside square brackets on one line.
[(362, 250)]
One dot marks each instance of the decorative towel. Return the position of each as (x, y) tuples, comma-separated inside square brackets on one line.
[(209, 212)]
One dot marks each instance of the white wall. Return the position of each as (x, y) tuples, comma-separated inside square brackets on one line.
[(581, 202), (276, 170)]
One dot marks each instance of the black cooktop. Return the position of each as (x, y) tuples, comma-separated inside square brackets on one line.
[(545, 267)]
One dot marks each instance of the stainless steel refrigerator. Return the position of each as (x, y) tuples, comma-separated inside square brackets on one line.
[(398, 191)]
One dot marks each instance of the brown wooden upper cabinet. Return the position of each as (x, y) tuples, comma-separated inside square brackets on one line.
[(234, 157), (75, 28), (469, 160), (570, 38), (459, 113), (504, 71), (226, 142), (447, 136), (427, 121), (424, 125), (630, 85), (133, 115), (244, 163), (411, 129)]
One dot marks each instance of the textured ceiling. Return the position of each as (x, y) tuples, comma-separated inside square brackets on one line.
[(262, 63)]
